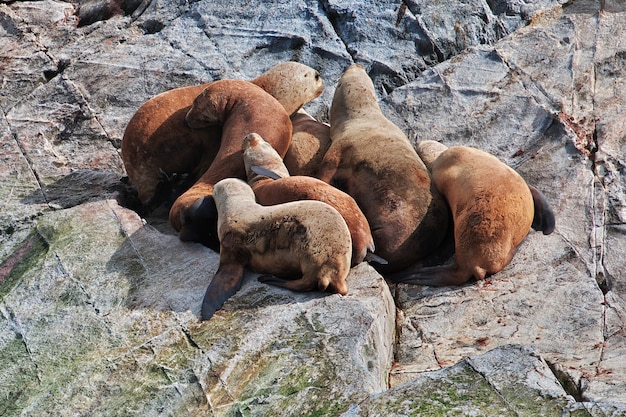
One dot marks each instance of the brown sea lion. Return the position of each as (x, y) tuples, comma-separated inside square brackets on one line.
[(271, 190), (543, 218), (373, 161), (309, 142), (308, 239), (239, 107), (158, 144), (492, 211)]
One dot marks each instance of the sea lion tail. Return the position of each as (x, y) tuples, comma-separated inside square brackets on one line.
[(265, 172), (372, 257), (543, 219)]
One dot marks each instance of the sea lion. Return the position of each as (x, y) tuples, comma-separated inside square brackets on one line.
[(239, 107), (492, 211), (309, 142), (270, 191), (372, 160), (157, 142), (303, 238), (543, 217)]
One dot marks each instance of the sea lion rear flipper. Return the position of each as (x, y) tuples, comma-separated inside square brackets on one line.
[(265, 172), (225, 283), (301, 284), (544, 216)]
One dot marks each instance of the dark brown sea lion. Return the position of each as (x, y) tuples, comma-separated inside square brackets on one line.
[(158, 144), (373, 161), (240, 107), (304, 239), (258, 153)]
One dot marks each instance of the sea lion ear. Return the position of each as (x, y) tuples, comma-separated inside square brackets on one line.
[(265, 172)]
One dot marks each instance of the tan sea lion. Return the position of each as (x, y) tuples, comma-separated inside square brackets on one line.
[(308, 239), (492, 211), (543, 218), (270, 190), (373, 161), (309, 142), (240, 107), (157, 142)]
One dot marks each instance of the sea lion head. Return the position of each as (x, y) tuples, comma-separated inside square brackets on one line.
[(205, 110), (257, 152), (232, 189), (354, 96), (429, 150), (292, 84)]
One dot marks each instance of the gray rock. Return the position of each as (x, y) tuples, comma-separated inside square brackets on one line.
[(86, 336), (507, 381), (99, 308), (555, 117)]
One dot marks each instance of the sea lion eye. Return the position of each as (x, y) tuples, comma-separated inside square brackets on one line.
[(317, 76)]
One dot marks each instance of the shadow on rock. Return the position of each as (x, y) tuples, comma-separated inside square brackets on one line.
[(78, 187), (166, 274)]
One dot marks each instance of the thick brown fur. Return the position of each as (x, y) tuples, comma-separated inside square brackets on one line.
[(373, 161), (306, 240), (240, 108), (257, 152), (309, 142), (492, 211), (157, 140), (543, 218)]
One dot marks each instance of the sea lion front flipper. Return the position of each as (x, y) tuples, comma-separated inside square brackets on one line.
[(544, 216), (265, 172), (225, 283), (436, 276), (200, 223), (372, 257)]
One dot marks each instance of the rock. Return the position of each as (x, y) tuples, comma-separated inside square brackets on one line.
[(509, 380), (99, 308), (96, 320), (551, 117)]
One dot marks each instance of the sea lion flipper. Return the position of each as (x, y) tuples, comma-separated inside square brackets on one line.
[(372, 257), (437, 276), (301, 284), (225, 284), (200, 223), (265, 172), (544, 216)]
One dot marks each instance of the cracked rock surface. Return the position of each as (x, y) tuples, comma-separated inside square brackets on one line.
[(99, 308)]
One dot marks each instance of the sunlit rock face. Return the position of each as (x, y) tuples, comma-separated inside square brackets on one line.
[(99, 307)]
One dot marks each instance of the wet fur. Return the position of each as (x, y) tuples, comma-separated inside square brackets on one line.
[(239, 107), (309, 142), (157, 139)]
